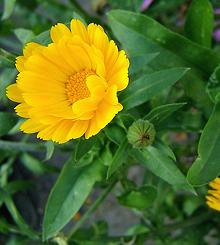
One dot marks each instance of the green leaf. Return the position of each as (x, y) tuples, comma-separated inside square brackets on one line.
[(137, 230), (213, 86), (6, 59), (68, 194), (206, 167), (134, 5), (17, 185), (162, 166), (43, 38), (139, 62), (8, 8), (174, 51), (119, 158), (16, 215), (7, 122), (148, 86), (200, 22), (160, 113), (83, 147), (35, 166), (24, 35), (196, 55), (50, 150), (115, 133), (141, 198), (160, 145)]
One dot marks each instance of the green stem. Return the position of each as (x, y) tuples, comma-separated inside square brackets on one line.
[(91, 209), (21, 146), (187, 223)]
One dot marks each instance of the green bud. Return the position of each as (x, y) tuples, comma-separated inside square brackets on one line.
[(141, 133)]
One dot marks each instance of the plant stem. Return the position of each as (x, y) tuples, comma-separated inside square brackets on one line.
[(21, 146), (187, 223), (91, 209)]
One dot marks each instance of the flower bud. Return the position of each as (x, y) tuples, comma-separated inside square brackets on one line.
[(141, 133)]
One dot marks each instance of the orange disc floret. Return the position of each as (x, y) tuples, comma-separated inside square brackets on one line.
[(69, 88)]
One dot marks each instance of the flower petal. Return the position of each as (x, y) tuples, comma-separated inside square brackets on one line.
[(58, 31)]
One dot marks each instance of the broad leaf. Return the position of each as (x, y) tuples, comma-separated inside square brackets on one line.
[(148, 86), (24, 35), (174, 51), (139, 63), (119, 158), (207, 167), (162, 166), (160, 113), (68, 195), (8, 8), (202, 58), (199, 22)]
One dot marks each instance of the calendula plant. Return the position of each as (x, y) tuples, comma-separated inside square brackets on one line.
[(109, 122)]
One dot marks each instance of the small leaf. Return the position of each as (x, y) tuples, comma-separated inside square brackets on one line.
[(160, 113), (17, 185), (148, 86), (6, 59), (206, 167), (35, 166), (115, 133), (16, 215), (8, 8), (119, 158), (7, 122), (162, 166), (24, 35), (213, 86), (200, 22), (141, 198), (83, 147), (137, 230), (50, 150), (43, 38), (68, 194)]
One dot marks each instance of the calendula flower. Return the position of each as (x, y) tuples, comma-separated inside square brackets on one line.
[(69, 88), (213, 197)]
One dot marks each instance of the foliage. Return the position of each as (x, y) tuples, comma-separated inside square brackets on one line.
[(174, 84)]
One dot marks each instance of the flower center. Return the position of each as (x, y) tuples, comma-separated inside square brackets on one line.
[(76, 88)]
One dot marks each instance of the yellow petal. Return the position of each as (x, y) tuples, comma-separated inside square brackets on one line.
[(78, 129), (83, 106), (58, 31), (29, 49), (22, 110), (94, 81), (111, 95), (60, 133), (97, 36), (31, 126), (14, 93), (78, 28)]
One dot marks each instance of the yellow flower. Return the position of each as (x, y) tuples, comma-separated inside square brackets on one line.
[(69, 88), (213, 197)]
